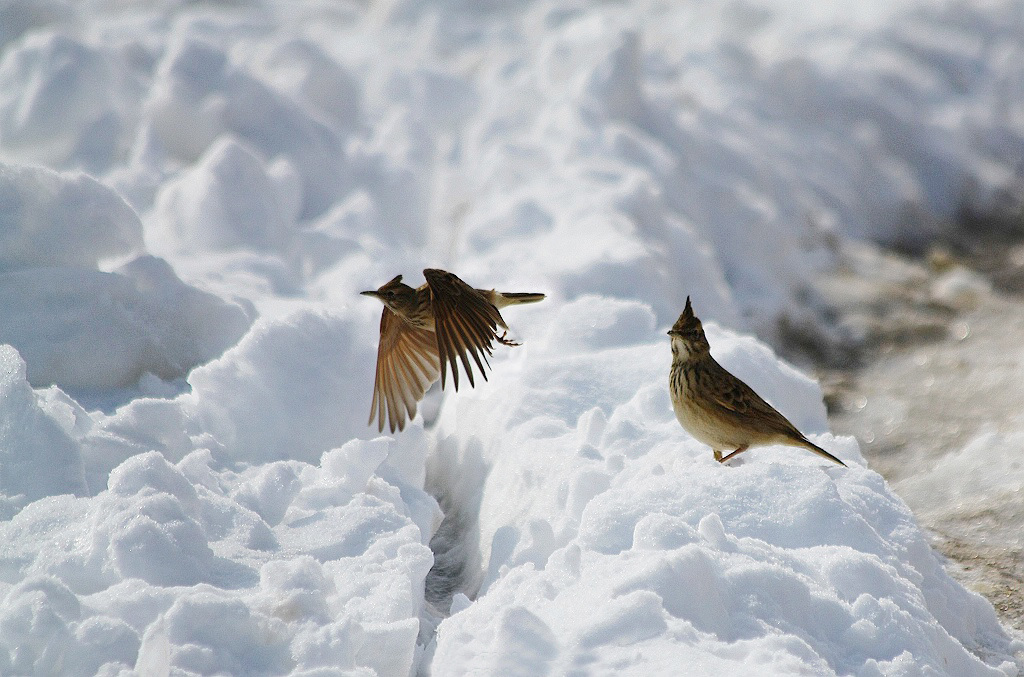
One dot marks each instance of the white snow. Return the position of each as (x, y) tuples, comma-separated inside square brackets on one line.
[(192, 195)]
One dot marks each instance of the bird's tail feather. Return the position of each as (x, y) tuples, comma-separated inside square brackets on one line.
[(811, 446), (514, 298)]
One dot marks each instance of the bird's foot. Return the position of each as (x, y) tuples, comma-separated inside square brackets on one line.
[(727, 457), (506, 342)]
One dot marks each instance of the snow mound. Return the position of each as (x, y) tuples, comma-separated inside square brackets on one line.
[(199, 94), (227, 201), (234, 410), (37, 457), (613, 542), (169, 567), (68, 115), (92, 330), (80, 327), (61, 220)]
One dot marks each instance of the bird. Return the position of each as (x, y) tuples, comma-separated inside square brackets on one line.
[(717, 408), (422, 333)]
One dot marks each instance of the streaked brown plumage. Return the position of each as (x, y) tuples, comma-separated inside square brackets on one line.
[(717, 408), (423, 332)]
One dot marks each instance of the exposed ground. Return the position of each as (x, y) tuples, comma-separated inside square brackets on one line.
[(932, 358)]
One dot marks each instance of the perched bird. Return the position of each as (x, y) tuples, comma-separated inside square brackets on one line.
[(717, 408), (424, 330)]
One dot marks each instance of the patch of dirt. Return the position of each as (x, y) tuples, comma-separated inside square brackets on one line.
[(931, 357), (995, 572)]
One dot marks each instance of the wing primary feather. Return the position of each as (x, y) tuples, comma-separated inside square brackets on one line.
[(465, 321), (373, 404), (447, 356), (463, 347), (407, 363), (467, 331), (475, 351), (393, 419), (422, 369), (408, 396)]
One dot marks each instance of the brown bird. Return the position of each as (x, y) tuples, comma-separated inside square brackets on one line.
[(717, 408), (424, 330)]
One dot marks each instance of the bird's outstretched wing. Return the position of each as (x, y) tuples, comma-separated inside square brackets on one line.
[(407, 364), (465, 322)]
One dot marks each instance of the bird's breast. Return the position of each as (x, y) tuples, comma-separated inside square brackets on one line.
[(696, 413)]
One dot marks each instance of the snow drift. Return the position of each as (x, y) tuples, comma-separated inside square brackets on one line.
[(189, 485)]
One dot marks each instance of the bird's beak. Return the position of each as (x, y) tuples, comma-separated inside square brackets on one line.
[(372, 293), (672, 332)]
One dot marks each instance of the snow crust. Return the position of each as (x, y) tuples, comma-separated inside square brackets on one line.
[(192, 196)]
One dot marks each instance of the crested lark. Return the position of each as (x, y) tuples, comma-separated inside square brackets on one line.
[(424, 330), (717, 408)]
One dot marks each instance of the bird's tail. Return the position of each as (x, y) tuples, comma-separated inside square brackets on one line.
[(503, 299), (811, 446)]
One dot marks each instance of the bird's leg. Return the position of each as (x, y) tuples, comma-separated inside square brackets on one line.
[(504, 341), (721, 459)]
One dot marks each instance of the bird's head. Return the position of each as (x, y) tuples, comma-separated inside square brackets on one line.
[(395, 295), (687, 334)]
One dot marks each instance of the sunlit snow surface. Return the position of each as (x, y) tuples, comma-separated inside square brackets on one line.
[(188, 482)]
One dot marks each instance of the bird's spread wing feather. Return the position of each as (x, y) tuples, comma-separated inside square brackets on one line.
[(737, 398), (407, 364), (465, 322)]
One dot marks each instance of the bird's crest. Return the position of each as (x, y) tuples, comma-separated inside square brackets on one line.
[(392, 283), (687, 322)]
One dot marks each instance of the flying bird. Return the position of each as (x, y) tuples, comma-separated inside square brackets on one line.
[(423, 331), (717, 408)]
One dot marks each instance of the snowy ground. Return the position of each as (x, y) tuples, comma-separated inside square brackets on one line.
[(192, 195)]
